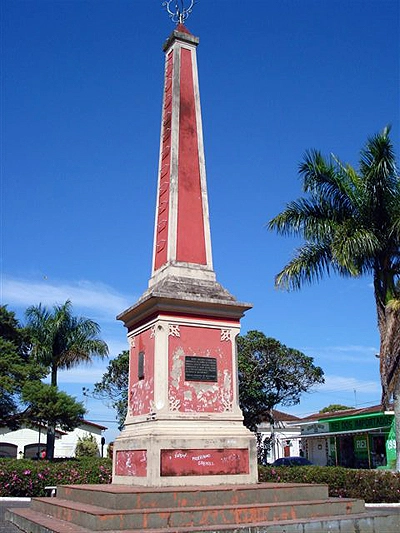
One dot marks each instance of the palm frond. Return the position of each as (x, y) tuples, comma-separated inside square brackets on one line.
[(394, 231), (378, 162), (381, 182), (328, 181), (310, 263), (354, 248), (292, 220), (62, 340)]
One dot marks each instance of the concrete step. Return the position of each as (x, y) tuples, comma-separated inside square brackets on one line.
[(368, 522), (96, 518), (125, 497), (30, 521)]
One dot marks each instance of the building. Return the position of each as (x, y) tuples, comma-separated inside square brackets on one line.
[(284, 434), (30, 442), (355, 438)]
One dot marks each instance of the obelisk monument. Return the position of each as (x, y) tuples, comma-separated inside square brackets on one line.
[(184, 425)]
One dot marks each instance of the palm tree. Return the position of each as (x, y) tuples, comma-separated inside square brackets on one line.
[(350, 222), (61, 341)]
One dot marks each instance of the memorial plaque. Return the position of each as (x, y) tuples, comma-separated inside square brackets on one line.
[(200, 368)]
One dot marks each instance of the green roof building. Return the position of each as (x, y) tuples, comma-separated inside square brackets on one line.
[(354, 438)]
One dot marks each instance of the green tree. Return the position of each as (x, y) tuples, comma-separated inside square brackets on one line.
[(11, 330), (61, 340), (16, 368), (51, 407), (87, 447), (270, 373), (113, 386), (333, 407), (350, 223)]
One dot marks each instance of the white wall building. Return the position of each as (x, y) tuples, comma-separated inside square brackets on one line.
[(285, 435), (31, 441)]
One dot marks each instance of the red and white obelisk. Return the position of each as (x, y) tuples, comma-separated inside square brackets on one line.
[(184, 425)]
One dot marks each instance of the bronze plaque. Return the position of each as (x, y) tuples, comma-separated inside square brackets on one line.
[(200, 368)]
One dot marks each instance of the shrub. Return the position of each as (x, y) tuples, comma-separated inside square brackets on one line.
[(87, 446), (26, 477), (373, 486)]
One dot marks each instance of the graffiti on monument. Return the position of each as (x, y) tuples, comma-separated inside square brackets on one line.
[(204, 462)]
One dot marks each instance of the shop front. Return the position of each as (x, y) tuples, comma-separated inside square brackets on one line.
[(359, 440)]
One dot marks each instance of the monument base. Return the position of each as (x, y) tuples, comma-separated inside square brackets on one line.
[(178, 453), (260, 508)]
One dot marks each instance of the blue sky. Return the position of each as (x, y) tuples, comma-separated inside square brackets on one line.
[(81, 109)]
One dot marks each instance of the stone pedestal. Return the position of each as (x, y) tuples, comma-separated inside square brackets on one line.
[(184, 424)]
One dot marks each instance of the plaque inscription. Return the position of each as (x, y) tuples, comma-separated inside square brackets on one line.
[(200, 368)]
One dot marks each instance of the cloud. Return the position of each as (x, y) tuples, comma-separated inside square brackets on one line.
[(351, 348), (98, 297), (338, 390), (91, 373), (116, 346), (85, 375), (348, 384), (350, 353)]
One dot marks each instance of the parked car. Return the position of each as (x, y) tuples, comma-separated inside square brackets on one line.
[(292, 461)]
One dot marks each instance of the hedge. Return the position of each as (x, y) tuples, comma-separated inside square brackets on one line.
[(373, 486), (27, 477)]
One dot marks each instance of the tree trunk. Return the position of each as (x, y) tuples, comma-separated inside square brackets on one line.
[(54, 369), (389, 353), (51, 430), (396, 408), (389, 326), (51, 437)]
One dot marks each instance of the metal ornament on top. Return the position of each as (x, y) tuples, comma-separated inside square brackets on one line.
[(180, 13)]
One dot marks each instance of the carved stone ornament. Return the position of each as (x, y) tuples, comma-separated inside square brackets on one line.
[(226, 335), (174, 330)]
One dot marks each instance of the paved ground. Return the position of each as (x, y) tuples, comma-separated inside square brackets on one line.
[(7, 527)]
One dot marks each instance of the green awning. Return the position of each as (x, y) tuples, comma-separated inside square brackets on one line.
[(352, 417), (337, 433)]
